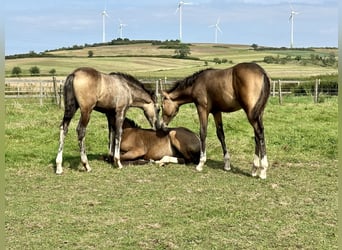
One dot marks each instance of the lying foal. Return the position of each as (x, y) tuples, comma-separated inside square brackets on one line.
[(173, 145)]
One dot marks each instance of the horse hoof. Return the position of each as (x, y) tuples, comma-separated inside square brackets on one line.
[(262, 174), (227, 168), (199, 168), (59, 172)]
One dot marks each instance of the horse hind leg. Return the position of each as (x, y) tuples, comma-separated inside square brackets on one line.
[(221, 137), (62, 134), (81, 131), (260, 161)]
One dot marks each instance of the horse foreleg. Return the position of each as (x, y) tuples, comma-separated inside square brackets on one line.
[(111, 125), (118, 133), (203, 117), (169, 159), (221, 137)]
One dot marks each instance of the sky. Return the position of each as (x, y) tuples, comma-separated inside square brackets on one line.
[(41, 25)]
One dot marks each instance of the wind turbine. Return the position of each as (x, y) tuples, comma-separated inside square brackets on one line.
[(217, 28), (179, 8), (292, 14), (121, 26), (104, 15)]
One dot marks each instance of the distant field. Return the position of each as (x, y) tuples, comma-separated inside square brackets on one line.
[(149, 61)]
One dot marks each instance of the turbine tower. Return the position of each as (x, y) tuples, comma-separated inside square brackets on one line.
[(217, 28), (180, 8), (121, 26), (292, 14), (104, 16)]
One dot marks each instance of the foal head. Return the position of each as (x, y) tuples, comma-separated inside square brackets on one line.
[(151, 112), (170, 110)]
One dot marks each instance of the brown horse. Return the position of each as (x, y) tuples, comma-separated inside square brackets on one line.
[(88, 89), (246, 86), (176, 145)]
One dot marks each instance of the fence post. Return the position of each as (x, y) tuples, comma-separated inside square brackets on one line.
[(41, 93), (279, 92), (273, 88), (55, 89), (316, 90), (60, 96)]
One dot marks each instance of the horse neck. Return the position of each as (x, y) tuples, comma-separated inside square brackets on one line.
[(181, 96), (140, 98)]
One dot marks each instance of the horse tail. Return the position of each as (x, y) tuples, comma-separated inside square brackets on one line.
[(263, 97), (70, 101)]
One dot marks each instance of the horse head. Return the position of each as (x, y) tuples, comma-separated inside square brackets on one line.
[(170, 109), (151, 112)]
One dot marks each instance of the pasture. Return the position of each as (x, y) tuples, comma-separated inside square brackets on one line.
[(174, 207), (149, 61)]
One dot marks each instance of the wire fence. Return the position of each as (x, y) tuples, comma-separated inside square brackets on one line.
[(50, 90)]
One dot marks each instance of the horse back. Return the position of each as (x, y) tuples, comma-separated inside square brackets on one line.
[(228, 90), (94, 89)]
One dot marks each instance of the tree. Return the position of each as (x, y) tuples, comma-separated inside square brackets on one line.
[(16, 71), (34, 71), (52, 72), (254, 46), (183, 51), (90, 53), (217, 60)]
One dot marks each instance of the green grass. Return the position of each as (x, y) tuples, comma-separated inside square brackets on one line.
[(174, 207)]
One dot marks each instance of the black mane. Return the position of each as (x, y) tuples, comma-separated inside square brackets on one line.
[(188, 81), (131, 123), (132, 80)]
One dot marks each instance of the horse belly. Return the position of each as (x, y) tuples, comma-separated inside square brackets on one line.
[(226, 102)]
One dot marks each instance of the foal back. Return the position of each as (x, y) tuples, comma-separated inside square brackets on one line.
[(101, 91)]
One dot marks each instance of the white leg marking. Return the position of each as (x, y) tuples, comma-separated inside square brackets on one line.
[(226, 162), (256, 165), (167, 159), (59, 158), (203, 159), (264, 166)]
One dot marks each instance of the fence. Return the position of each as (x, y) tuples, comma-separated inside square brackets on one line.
[(50, 89), (35, 88)]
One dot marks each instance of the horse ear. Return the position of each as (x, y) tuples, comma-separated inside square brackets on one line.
[(165, 95)]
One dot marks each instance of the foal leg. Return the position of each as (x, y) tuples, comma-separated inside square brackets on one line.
[(120, 115), (111, 132), (221, 137), (260, 158), (203, 117), (62, 134), (81, 131)]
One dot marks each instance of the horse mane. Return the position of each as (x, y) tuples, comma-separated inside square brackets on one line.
[(131, 123), (188, 81), (133, 81)]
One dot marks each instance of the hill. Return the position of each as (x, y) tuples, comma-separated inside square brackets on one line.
[(149, 60)]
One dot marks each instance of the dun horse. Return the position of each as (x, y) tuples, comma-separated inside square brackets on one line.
[(246, 86), (175, 145), (88, 89)]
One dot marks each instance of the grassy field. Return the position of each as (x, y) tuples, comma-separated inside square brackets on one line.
[(148, 61), (174, 207)]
